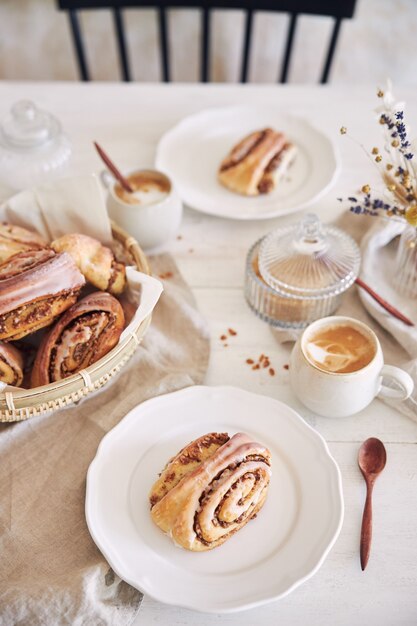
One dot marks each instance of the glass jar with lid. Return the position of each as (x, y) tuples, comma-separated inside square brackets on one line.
[(297, 274), (33, 147)]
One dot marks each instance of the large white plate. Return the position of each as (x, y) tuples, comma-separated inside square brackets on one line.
[(191, 152), (269, 557)]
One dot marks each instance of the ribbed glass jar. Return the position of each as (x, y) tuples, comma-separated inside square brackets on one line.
[(298, 274), (405, 272), (33, 148)]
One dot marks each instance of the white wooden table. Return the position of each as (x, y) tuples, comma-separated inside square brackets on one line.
[(128, 120)]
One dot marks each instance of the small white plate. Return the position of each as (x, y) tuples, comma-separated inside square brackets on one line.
[(274, 553), (191, 152)]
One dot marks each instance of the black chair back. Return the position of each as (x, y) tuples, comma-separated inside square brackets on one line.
[(338, 10)]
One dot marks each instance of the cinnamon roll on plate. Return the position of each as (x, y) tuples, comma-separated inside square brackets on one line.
[(211, 489), (84, 334), (257, 163), (11, 365), (32, 298)]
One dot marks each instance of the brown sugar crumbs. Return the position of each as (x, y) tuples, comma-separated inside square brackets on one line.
[(263, 362), (231, 332), (165, 275)]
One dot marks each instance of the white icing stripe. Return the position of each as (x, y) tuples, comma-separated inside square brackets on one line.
[(56, 275)]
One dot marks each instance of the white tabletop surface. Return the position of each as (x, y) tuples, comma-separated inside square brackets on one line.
[(128, 120)]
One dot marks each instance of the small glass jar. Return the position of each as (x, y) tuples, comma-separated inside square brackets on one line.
[(405, 269), (33, 147), (298, 274)]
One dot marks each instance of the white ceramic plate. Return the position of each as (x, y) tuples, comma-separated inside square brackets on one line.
[(191, 152), (274, 553)]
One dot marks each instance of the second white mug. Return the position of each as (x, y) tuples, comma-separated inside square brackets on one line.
[(336, 394), (151, 224)]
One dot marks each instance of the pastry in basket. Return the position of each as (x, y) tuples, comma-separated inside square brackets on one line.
[(94, 260), (257, 163), (11, 365), (14, 239), (85, 333), (23, 261), (33, 298), (211, 489)]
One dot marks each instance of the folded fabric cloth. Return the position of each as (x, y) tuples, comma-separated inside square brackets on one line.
[(376, 237), (51, 572), (378, 261)]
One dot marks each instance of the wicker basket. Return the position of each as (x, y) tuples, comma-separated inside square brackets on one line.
[(20, 404)]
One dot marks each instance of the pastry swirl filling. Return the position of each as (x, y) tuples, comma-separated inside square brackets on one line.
[(234, 507), (78, 343), (85, 333)]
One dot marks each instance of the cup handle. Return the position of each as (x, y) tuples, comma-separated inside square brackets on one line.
[(402, 378), (106, 178)]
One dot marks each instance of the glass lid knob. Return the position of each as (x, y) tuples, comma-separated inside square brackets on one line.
[(310, 236), (27, 126)]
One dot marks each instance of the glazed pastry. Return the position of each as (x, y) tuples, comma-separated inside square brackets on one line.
[(85, 333), (95, 261), (11, 365), (256, 164), (211, 489), (35, 297), (23, 261), (14, 239)]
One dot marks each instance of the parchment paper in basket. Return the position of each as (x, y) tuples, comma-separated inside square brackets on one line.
[(68, 205)]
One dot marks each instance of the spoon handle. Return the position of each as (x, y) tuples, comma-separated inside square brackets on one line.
[(366, 530)]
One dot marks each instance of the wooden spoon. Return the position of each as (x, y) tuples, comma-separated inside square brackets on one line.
[(112, 167), (371, 460)]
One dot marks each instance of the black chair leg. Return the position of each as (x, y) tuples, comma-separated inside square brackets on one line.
[(121, 42), (78, 45), (246, 46), (163, 41), (205, 46), (330, 52), (288, 48)]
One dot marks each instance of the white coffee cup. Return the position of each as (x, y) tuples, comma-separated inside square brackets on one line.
[(151, 224), (335, 394)]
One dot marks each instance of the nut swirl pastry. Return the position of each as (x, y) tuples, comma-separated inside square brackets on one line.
[(11, 365), (94, 260), (211, 489), (85, 333), (32, 299), (23, 261), (14, 239), (257, 163)]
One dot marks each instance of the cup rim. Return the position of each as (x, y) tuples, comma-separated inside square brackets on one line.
[(138, 206), (336, 320)]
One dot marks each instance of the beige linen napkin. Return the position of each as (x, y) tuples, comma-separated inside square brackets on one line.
[(51, 572)]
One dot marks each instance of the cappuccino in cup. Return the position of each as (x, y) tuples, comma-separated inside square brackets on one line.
[(149, 187), (152, 213), (340, 349), (337, 368)]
